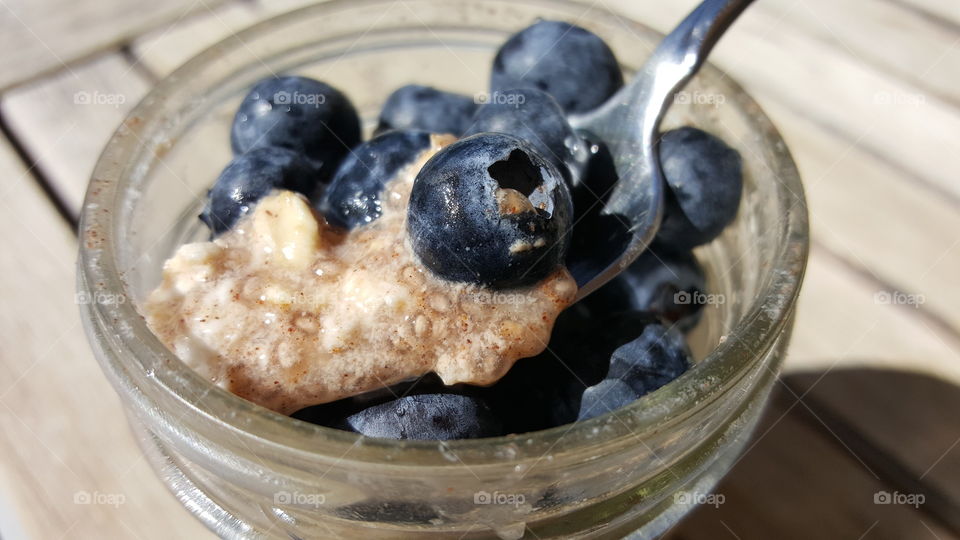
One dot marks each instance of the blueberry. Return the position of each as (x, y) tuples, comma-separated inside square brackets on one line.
[(657, 357), (250, 176), (427, 416), (353, 196), (667, 284), (567, 61), (335, 413), (300, 114), (637, 368), (422, 107), (606, 396), (535, 117), (705, 183), (490, 210), (545, 391)]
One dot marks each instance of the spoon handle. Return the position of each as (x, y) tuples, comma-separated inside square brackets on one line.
[(629, 122), (689, 44), (679, 56)]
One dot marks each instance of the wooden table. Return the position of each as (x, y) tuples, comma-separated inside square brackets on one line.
[(867, 95)]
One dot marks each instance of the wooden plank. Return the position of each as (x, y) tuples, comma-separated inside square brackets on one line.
[(839, 324), (897, 122), (66, 439), (44, 37), (65, 121), (876, 219), (164, 49), (942, 11), (912, 48), (899, 422), (796, 481)]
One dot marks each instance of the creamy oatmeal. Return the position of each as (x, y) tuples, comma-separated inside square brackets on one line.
[(288, 312)]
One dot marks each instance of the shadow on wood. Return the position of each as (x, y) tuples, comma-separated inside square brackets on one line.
[(843, 454)]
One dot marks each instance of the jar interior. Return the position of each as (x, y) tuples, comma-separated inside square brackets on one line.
[(195, 147)]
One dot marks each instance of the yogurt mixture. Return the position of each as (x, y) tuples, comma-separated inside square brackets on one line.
[(287, 311)]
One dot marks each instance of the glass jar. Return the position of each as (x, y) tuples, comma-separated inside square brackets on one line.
[(248, 472)]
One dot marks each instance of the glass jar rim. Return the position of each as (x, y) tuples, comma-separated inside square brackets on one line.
[(134, 356)]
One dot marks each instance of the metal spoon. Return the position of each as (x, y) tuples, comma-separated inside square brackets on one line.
[(629, 124)]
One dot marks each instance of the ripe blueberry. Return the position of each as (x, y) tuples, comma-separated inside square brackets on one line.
[(422, 107), (353, 196), (637, 368), (490, 210), (536, 118), (545, 391), (666, 284), (657, 357), (300, 114), (606, 396), (427, 416), (705, 183), (249, 177), (567, 61)]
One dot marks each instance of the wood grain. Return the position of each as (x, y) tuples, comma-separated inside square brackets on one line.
[(839, 324), (866, 99), (935, 11), (858, 208), (897, 122), (902, 424), (40, 37), (164, 49), (65, 439), (65, 121), (797, 482), (900, 42)]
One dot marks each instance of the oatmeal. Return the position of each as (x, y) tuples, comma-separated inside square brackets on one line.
[(288, 312)]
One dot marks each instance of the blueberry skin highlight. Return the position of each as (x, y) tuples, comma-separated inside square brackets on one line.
[(300, 114), (425, 108), (251, 176), (657, 357), (705, 181), (489, 210), (606, 396), (353, 196), (637, 368), (536, 118), (427, 417), (569, 62)]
